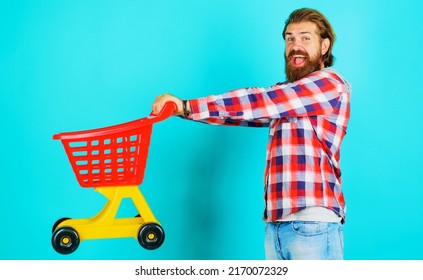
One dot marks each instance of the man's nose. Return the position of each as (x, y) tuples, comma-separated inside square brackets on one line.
[(297, 45)]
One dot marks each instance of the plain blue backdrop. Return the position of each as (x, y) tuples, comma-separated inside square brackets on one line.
[(72, 65)]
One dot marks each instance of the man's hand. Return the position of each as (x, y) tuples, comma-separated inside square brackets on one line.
[(161, 101)]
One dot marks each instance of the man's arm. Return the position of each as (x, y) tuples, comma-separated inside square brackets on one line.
[(316, 94)]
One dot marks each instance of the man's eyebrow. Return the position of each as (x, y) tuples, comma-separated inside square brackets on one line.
[(303, 32)]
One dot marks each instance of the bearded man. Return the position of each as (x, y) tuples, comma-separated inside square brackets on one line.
[(307, 117)]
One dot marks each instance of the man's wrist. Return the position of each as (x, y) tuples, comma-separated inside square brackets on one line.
[(186, 108)]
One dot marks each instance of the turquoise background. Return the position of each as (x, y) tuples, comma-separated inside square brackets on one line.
[(72, 65)]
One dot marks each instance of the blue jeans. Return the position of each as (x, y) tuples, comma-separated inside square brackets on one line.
[(298, 240)]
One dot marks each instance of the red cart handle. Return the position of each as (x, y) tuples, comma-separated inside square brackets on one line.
[(167, 111)]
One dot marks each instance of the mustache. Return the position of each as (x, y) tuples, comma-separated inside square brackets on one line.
[(297, 52)]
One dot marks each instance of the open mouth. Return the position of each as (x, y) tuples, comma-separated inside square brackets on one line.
[(298, 60)]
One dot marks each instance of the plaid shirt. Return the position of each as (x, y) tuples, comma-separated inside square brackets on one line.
[(307, 121)]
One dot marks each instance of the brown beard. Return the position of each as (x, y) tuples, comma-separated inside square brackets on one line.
[(295, 73)]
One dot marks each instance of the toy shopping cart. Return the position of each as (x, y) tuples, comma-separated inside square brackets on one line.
[(111, 160)]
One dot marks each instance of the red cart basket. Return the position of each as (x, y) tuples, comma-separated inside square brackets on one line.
[(111, 160)]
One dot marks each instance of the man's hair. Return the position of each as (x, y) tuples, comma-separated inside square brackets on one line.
[(324, 28)]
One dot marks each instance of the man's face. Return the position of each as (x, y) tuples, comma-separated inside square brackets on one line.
[(304, 50)]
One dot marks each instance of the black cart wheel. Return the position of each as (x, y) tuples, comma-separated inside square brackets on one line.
[(151, 236), (58, 223), (65, 240)]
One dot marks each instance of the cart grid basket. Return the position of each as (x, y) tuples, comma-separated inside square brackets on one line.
[(111, 156)]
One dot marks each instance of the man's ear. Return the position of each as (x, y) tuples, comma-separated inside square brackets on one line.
[(325, 45)]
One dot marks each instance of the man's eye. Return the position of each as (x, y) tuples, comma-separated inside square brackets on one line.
[(290, 39), (306, 39)]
